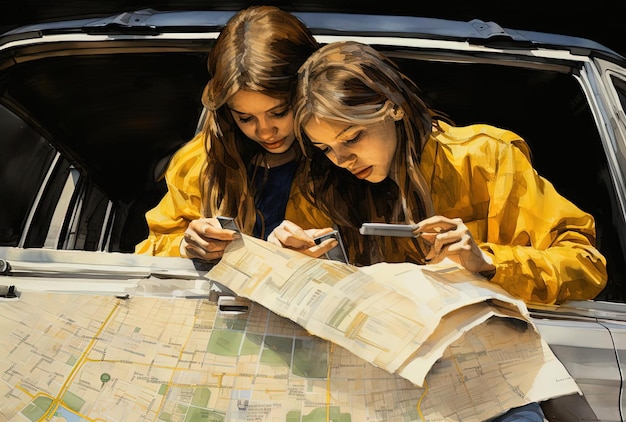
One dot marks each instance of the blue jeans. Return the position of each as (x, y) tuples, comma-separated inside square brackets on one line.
[(529, 413)]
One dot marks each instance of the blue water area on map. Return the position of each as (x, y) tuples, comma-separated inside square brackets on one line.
[(69, 416)]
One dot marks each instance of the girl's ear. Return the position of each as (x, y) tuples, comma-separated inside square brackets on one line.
[(396, 113)]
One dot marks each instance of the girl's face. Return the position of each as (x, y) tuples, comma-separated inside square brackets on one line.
[(266, 120), (367, 151)]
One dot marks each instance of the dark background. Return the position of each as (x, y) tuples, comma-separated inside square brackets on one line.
[(600, 21)]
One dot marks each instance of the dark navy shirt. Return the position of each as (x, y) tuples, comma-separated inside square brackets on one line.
[(272, 195)]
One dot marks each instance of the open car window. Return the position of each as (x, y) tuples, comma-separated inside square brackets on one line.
[(82, 188)]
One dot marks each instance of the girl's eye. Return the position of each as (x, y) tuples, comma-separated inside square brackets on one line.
[(282, 113), (245, 119), (354, 140), (324, 148)]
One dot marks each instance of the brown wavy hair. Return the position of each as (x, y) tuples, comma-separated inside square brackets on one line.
[(260, 49)]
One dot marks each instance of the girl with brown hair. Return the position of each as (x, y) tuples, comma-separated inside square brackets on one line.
[(243, 162)]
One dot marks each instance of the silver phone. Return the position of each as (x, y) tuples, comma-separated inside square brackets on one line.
[(384, 229)]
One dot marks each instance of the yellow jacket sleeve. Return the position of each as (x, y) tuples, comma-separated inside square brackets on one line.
[(181, 204), (542, 245)]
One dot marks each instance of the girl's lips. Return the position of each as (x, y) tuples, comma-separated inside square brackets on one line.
[(364, 174), (273, 145)]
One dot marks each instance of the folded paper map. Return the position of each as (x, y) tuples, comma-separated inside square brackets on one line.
[(400, 317)]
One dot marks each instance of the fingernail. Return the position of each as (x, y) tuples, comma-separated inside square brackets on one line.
[(236, 235)]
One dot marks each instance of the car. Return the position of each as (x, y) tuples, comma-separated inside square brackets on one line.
[(91, 111)]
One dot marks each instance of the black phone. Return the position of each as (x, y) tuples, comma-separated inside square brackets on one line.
[(338, 253), (228, 223)]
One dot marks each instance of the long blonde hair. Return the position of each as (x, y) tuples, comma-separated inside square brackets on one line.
[(260, 49), (353, 83)]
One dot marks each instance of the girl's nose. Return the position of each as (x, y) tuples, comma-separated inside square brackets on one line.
[(343, 159), (265, 130)]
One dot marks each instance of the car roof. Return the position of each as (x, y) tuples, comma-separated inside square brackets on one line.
[(478, 32)]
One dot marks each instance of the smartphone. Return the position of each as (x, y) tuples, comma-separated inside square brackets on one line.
[(338, 253), (383, 229), (228, 223)]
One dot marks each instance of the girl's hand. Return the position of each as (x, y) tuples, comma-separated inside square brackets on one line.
[(291, 236), (205, 239), (450, 238)]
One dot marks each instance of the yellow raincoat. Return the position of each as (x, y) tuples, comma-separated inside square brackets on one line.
[(542, 245), (182, 203)]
